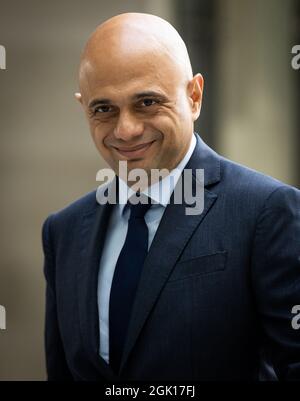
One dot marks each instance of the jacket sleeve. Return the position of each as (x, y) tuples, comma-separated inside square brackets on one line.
[(276, 279), (57, 368)]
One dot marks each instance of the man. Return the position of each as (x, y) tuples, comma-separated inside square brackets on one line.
[(156, 293)]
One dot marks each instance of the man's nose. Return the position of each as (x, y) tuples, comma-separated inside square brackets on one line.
[(128, 126)]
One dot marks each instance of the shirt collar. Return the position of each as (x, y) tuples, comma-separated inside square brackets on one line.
[(161, 191)]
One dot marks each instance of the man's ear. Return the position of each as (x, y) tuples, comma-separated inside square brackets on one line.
[(78, 97), (195, 93)]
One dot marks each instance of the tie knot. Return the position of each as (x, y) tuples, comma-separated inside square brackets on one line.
[(140, 209)]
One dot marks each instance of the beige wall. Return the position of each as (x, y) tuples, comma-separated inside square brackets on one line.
[(257, 89)]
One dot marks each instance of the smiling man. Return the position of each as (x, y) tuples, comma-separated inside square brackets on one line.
[(143, 291), (138, 111)]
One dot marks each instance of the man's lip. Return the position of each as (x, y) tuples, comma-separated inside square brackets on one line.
[(134, 152), (138, 147)]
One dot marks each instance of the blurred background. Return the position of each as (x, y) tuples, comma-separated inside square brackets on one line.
[(250, 114)]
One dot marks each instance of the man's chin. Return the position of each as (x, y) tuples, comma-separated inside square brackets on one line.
[(136, 164)]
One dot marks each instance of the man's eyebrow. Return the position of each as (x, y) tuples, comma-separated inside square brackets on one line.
[(97, 102), (137, 96), (150, 94)]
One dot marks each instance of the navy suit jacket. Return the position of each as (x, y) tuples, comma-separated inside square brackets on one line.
[(216, 293)]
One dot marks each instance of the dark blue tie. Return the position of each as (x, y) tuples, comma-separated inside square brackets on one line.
[(125, 281)]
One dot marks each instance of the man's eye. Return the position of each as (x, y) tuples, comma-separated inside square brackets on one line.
[(148, 102), (102, 109)]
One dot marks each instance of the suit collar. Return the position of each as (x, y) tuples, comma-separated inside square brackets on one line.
[(207, 159)]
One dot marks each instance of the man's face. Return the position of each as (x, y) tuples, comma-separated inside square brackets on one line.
[(139, 110)]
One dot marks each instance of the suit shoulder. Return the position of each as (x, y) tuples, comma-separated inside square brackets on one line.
[(253, 190), (245, 178), (75, 209)]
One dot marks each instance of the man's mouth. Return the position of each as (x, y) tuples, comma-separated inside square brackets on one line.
[(134, 151)]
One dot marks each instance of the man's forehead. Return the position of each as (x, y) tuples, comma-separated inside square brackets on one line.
[(124, 63), (125, 90), (113, 61), (128, 76)]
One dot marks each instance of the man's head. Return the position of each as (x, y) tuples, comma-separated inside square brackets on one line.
[(138, 92)]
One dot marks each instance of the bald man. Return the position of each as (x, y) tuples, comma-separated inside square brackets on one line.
[(152, 292)]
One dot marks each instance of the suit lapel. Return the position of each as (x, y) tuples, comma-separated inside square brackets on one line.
[(174, 232), (93, 230)]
